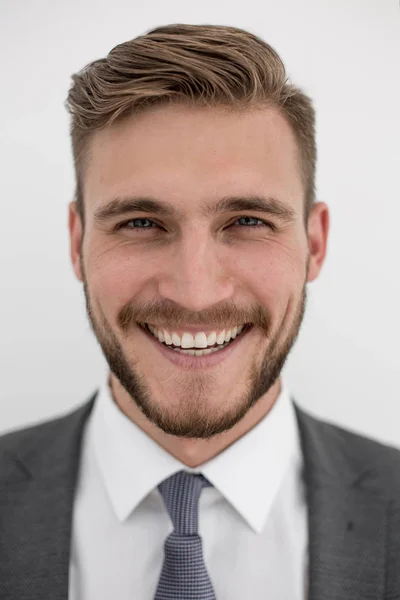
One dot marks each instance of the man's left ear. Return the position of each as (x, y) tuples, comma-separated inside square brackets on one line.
[(318, 230)]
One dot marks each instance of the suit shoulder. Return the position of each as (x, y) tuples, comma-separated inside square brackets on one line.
[(366, 444), (379, 459), (30, 435)]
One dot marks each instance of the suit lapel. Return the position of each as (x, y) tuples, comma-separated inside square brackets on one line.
[(347, 517), (36, 500)]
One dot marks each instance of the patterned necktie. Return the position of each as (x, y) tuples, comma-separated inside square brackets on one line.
[(184, 575)]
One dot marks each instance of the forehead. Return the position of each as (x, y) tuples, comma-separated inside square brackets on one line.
[(188, 156)]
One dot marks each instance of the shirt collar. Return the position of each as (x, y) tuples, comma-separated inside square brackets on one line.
[(132, 464)]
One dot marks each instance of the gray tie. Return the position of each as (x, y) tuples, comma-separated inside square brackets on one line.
[(184, 575)]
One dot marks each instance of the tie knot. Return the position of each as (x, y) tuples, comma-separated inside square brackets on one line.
[(181, 493)]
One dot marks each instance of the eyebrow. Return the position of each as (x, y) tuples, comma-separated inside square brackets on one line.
[(122, 205)]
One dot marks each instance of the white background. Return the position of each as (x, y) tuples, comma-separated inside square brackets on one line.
[(346, 55)]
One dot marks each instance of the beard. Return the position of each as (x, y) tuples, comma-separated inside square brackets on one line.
[(194, 418)]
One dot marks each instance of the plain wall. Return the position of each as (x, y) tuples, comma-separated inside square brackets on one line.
[(346, 55)]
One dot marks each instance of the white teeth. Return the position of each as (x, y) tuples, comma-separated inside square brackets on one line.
[(199, 352), (212, 338), (221, 337), (176, 340), (187, 341), (200, 340)]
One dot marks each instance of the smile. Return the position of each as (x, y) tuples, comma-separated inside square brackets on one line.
[(199, 344), (195, 358)]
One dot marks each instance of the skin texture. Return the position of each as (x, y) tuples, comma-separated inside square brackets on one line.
[(214, 270)]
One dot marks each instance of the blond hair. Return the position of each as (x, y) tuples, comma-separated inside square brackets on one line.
[(201, 65)]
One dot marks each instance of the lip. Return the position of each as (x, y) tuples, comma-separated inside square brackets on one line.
[(196, 362)]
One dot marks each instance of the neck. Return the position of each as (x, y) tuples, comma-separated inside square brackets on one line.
[(193, 452)]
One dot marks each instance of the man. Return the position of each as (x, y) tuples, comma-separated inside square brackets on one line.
[(191, 472)]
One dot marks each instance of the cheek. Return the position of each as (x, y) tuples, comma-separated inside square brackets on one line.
[(115, 281), (272, 275), (269, 273)]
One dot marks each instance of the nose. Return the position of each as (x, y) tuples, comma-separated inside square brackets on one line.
[(196, 273)]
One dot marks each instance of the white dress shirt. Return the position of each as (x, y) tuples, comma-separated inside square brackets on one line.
[(253, 521)]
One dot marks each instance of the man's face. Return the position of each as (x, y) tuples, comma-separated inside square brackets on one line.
[(192, 270)]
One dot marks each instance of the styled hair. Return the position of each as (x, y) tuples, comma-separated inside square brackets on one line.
[(197, 65)]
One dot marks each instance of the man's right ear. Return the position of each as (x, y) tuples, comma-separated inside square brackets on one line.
[(75, 236)]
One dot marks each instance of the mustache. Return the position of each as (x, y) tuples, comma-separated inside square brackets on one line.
[(171, 316)]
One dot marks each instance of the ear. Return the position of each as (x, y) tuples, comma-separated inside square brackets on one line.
[(318, 230), (75, 235)]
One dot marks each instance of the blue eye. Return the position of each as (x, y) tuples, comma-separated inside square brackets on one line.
[(263, 223), (255, 223), (125, 224), (146, 221)]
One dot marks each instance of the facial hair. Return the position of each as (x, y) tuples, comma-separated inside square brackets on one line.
[(194, 419)]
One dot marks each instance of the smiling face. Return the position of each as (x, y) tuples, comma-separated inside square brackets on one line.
[(178, 261)]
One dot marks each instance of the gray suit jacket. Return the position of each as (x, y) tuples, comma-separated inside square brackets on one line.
[(353, 489)]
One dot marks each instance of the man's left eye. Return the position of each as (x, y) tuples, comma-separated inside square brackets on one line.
[(260, 221)]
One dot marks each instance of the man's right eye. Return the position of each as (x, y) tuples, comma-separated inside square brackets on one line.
[(124, 224)]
